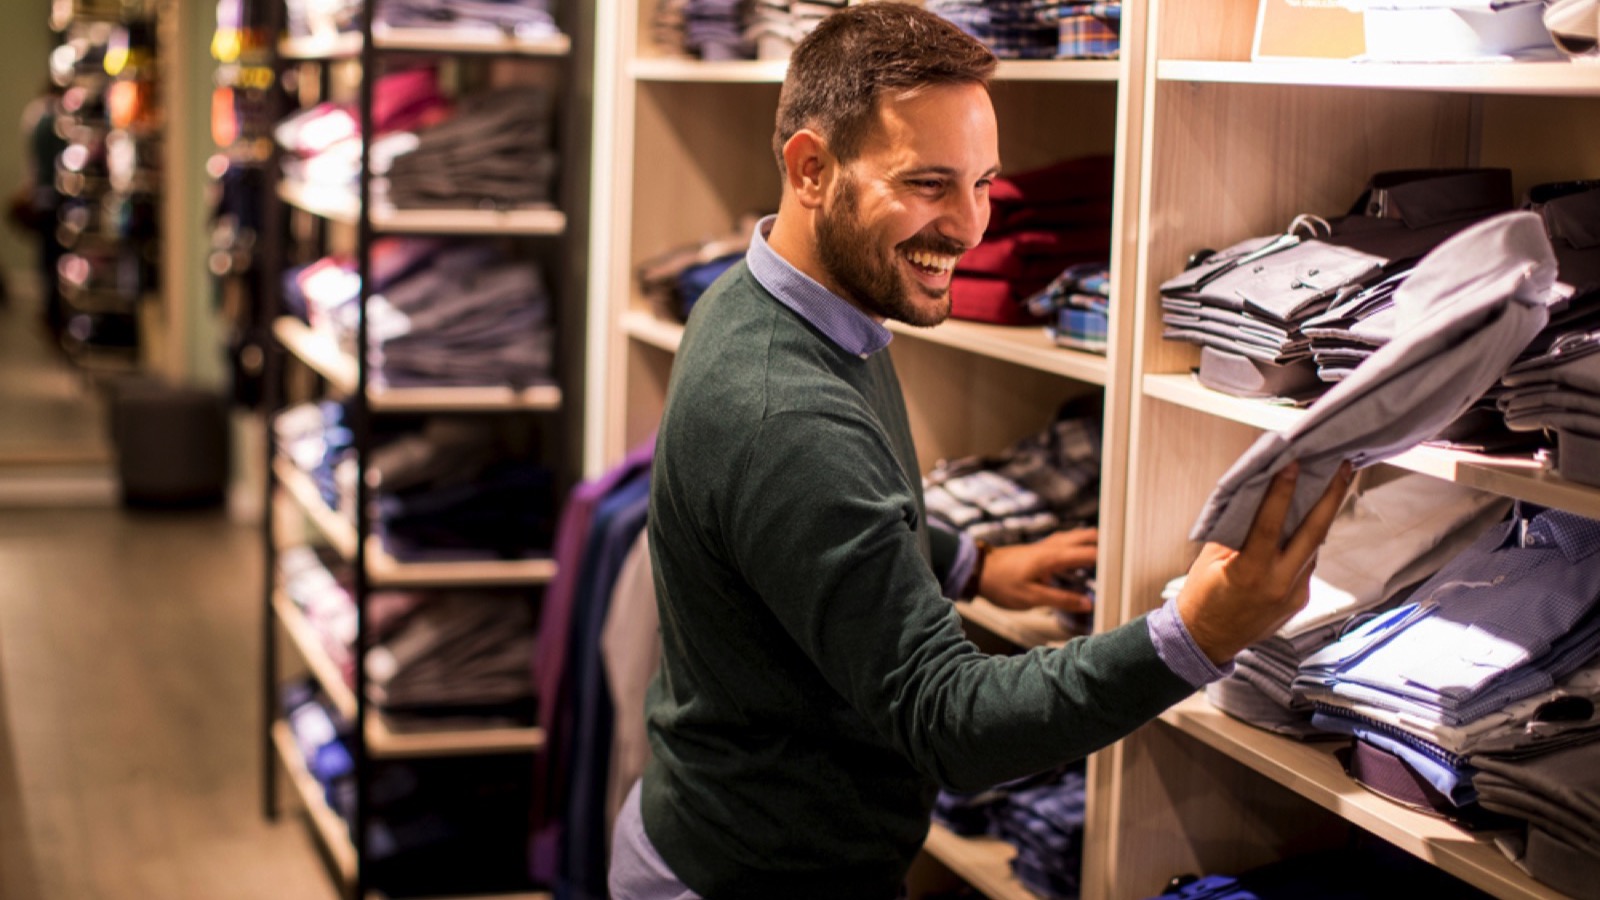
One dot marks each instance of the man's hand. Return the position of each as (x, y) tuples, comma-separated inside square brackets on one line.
[(1019, 577), (1234, 598)]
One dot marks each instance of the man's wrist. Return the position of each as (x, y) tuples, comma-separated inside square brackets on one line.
[(970, 589)]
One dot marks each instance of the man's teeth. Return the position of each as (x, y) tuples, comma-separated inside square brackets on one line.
[(935, 261)]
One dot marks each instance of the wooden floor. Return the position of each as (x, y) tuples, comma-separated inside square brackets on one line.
[(49, 409), (129, 750)]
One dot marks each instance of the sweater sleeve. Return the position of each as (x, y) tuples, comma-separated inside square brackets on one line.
[(827, 540)]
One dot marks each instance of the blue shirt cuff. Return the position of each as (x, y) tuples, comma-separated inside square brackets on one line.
[(961, 568), (1177, 648)]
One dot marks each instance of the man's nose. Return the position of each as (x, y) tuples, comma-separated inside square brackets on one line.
[(966, 216)]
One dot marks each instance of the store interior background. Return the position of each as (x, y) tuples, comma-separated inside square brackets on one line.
[(53, 446), (129, 759)]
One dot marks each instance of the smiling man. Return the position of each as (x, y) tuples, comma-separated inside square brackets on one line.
[(815, 687)]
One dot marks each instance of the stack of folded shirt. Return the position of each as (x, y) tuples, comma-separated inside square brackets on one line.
[(1249, 306), (1042, 816), (776, 26), (525, 19), (714, 30), (1040, 222), (1555, 388), (674, 280), (315, 438), (459, 658), (441, 314), (459, 489), (495, 152), (1085, 29), (1555, 796), (1078, 303), (1429, 684), (322, 143), (1384, 541), (1012, 29), (1040, 484)]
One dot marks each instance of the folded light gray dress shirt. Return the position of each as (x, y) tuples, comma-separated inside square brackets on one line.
[(1466, 312)]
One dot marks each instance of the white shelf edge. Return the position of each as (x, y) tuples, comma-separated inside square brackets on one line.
[(983, 862), (318, 350), (339, 204), (341, 45), (347, 44), (1558, 79), (649, 329), (445, 40), (328, 826), (772, 71), (387, 572), (385, 743), (1516, 477), (681, 69), (1310, 771), (1027, 346)]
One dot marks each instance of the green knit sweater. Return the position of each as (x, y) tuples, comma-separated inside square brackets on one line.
[(816, 689)]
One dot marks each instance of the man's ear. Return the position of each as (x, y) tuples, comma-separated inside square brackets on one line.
[(808, 167)]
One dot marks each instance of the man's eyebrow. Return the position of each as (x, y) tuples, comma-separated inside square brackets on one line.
[(946, 171)]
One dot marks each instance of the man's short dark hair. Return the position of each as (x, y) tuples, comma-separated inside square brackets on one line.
[(839, 71)]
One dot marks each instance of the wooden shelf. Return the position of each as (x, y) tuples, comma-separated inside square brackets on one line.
[(347, 45), (339, 204), (695, 71), (446, 40), (650, 329), (1023, 346), (1311, 771), (1024, 628), (382, 741), (1518, 477), (771, 71), (983, 862), (329, 828), (1029, 346), (321, 352), (342, 45), (1553, 79), (384, 570)]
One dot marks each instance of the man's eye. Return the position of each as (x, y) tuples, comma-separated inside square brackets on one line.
[(927, 184)]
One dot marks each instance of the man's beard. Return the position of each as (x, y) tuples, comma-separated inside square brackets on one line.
[(848, 253)]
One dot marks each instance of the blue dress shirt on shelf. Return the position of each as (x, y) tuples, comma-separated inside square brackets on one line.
[(1501, 622)]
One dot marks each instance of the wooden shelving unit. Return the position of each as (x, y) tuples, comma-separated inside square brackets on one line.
[(1311, 771), (323, 219), (983, 862), (321, 352), (1234, 148)]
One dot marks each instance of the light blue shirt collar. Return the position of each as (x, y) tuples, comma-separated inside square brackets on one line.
[(853, 330)]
